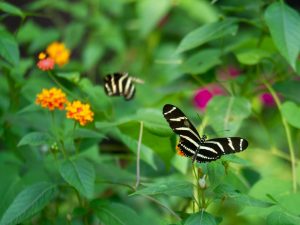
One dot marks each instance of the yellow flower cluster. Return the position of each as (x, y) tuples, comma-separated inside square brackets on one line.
[(80, 112), (59, 53), (51, 99), (54, 98)]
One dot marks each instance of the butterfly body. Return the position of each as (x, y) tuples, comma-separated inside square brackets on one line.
[(120, 84), (192, 145)]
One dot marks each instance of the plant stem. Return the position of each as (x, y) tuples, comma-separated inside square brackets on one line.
[(52, 76), (162, 205), (288, 135), (138, 157)]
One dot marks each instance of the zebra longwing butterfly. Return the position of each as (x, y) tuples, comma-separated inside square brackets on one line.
[(192, 145), (120, 84)]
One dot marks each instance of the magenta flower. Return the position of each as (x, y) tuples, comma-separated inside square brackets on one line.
[(229, 72), (205, 94), (267, 99)]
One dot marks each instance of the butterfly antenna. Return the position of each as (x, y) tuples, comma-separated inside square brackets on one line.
[(138, 80)]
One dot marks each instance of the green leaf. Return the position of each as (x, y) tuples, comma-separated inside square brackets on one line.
[(291, 113), (284, 25), (9, 49), (252, 56), (202, 218), (146, 152), (115, 213), (74, 77), (216, 173), (202, 61), (207, 33), (289, 89), (281, 218), (35, 139), (289, 202), (227, 113), (27, 203), (270, 186), (80, 174), (171, 188), (225, 190), (11, 9), (150, 14)]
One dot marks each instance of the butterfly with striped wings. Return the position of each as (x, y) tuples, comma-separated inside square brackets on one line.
[(120, 84), (192, 145)]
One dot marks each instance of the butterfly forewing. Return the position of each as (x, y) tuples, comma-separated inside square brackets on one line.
[(190, 141)]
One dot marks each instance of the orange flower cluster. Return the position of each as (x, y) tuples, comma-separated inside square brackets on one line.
[(80, 112), (59, 53), (54, 98), (56, 53), (51, 99)]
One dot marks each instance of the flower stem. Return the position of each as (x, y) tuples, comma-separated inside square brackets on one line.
[(52, 76), (288, 135), (138, 175)]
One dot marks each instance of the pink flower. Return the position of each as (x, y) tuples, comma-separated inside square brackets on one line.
[(205, 94), (267, 99), (46, 64), (228, 72)]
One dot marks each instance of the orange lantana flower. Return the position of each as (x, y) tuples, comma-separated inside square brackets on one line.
[(59, 53), (80, 112), (52, 99)]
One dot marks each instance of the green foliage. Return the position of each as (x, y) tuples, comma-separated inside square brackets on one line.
[(80, 174), (28, 202), (221, 62)]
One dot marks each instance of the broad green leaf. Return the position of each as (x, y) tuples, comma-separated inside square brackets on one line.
[(202, 218), (207, 33), (202, 11), (171, 188), (290, 202), (28, 202), (74, 77), (87, 133), (284, 25), (202, 61), (11, 9), (225, 190), (35, 139), (80, 174), (150, 14), (216, 173), (227, 113), (291, 113), (289, 89), (281, 218), (146, 152), (252, 56), (115, 213), (270, 186), (9, 49), (92, 54)]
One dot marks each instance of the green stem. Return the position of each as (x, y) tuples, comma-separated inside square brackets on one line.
[(73, 134), (138, 157), (288, 135), (63, 149), (52, 76)]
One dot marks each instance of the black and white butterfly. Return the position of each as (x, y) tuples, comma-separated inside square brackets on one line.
[(192, 145), (120, 84)]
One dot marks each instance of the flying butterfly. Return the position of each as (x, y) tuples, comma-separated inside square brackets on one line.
[(199, 148), (120, 84)]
